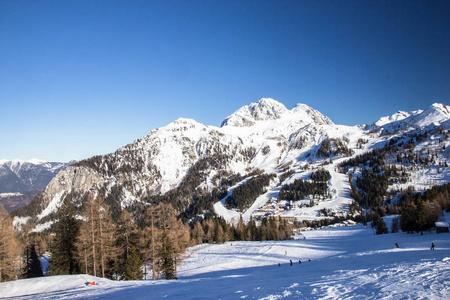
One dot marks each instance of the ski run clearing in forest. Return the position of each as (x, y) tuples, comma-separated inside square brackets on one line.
[(346, 263)]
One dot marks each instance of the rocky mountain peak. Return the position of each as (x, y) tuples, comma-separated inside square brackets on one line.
[(265, 109), (309, 115)]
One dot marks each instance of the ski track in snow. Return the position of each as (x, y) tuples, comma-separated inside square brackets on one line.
[(346, 263)]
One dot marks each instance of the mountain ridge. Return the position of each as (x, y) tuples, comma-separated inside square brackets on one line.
[(187, 162)]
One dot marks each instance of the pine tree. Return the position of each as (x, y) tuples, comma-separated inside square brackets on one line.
[(395, 225), (126, 238), (167, 256), (379, 224), (407, 221), (63, 250), (420, 217), (9, 247), (174, 239), (133, 266), (33, 265)]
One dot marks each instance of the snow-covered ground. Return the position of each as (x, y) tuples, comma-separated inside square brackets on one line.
[(346, 263)]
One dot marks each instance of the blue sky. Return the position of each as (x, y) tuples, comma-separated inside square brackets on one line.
[(82, 78)]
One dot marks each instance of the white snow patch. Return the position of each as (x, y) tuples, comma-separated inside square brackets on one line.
[(53, 206)]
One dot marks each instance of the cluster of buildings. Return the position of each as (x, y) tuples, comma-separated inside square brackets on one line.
[(275, 208)]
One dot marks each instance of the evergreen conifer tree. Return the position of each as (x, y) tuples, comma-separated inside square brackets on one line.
[(420, 216), (166, 257), (33, 265), (379, 225), (126, 238), (133, 266), (63, 260), (407, 221)]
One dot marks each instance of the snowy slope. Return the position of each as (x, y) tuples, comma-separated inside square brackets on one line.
[(436, 114), (346, 263)]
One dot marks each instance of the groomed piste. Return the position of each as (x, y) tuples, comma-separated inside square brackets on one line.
[(342, 262)]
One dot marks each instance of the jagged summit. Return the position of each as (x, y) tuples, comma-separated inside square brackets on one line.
[(268, 109), (265, 109)]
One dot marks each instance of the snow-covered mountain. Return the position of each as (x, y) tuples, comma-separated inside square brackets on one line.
[(23, 176), (268, 109), (434, 115), (21, 181), (195, 166)]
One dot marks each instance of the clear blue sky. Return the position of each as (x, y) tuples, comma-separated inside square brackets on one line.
[(80, 78)]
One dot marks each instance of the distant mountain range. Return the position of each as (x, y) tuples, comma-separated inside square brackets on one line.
[(197, 167), (21, 181)]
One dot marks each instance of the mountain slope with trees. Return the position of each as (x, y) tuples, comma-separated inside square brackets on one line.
[(194, 167)]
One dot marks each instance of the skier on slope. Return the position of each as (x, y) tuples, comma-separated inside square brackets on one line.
[(432, 245)]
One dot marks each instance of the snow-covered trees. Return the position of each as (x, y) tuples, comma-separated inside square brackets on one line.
[(9, 247)]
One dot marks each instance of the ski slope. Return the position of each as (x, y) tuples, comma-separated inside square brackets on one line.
[(346, 263)]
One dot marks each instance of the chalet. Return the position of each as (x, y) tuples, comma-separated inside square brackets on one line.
[(442, 227)]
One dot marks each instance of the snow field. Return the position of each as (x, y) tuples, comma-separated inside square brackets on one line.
[(346, 263)]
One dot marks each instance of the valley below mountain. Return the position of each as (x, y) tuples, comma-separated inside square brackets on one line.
[(21, 181)]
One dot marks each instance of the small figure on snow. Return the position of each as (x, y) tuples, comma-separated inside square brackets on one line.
[(299, 261), (432, 245), (396, 245), (291, 261), (278, 264)]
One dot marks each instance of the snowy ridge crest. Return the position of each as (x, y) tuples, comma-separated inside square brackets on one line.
[(268, 109), (436, 114)]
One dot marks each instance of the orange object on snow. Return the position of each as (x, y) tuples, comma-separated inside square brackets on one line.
[(91, 283)]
